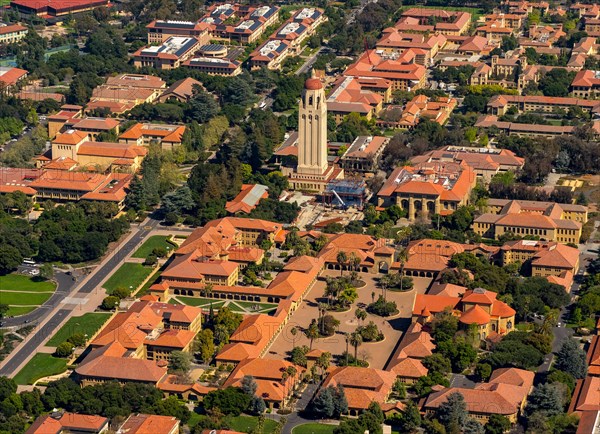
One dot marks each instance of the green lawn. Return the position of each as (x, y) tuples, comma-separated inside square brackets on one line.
[(129, 276), (249, 304), (19, 282), (23, 298), (41, 365), (19, 310), (199, 301), (313, 428), (248, 423), (88, 324), (154, 242)]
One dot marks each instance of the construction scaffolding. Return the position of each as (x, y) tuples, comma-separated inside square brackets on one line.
[(345, 193)]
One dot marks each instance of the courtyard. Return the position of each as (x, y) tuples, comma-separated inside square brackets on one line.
[(376, 353)]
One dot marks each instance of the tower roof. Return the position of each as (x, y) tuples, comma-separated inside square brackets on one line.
[(313, 84)]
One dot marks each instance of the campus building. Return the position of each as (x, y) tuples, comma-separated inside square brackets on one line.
[(168, 137), (446, 22), (477, 308), (125, 91), (485, 162), (56, 8), (11, 33), (358, 95), (364, 153), (215, 66), (498, 105), (11, 78), (525, 130), (270, 54), (505, 394), (547, 220), (161, 30), (428, 188), (169, 55)]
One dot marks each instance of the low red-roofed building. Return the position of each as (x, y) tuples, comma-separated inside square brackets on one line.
[(150, 424), (247, 199), (478, 307), (364, 153), (68, 423), (11, 33), (168, 136), (505, 394), (10, 78), (361, 386), (549, 221), (593, 357), (56, 8), (428, 188)]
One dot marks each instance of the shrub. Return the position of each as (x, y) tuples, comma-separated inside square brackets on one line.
[(65, 349), (383, 308), (110, 303)]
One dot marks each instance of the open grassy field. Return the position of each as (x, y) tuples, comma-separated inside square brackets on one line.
[(41, 365), (129, 276), (21, 283), (313, 428), (199, 301), (154, 242), (248, 423), (87, 324), (23, 294)]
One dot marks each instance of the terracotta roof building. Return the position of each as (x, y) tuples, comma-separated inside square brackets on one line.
[(182, 90), (374, 254), (247, 199), (123, 92), (64, 423), (548, 259), (422, 107), (168, 136), (169, 55), (364, 153), (215, 66), (593, 357), (415, 345), (484, 162), (525, 130), (272, 385), (150, 424), (446, 22), (404, 75), (10, 78), (161, 30), (586, 396), (478, 307), (396, 41), (56, 8), (586, 84), (428, 188), (349, 96), (549, 221), (499, 104), (11, 33), (361, 386), (505, 394)]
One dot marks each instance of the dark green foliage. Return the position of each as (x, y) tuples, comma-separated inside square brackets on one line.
[(509, 352), (571, 359), (382, 307), (231, 400)]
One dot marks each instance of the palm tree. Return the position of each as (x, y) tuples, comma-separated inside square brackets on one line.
[(360, 315), (323, 362), (322, 310), (332, 289), (312, 332), (372, 296), (384, 282), (208, 289), (402, 255), (356, 340), (354, 261), (342, 258), (294, 332), (348, 296), (347, 335)]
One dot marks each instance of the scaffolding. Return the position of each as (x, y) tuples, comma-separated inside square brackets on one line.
[(345, 193)]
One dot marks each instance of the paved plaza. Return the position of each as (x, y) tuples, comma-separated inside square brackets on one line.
[(377, 353)]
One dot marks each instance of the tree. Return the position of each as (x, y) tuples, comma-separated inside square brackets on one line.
[(46, 271), (257, 405), (571, 359), (323, 404), (356, 340), (323, 362), (483, 371), (453, 412), (205, 345), (342, 258), (110, 302), (10, 259), (248, 385), (180, 362), (78, 339), (437, 362), (312, 332), (360, 314), (64, 349), (473, 427), (411, 418), (231, 400), (547, 398), (340, 403), (298, 355), (497, 424), (3, 310)]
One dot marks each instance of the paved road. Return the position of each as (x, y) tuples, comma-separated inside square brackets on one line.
[(39, 336), (308, 63), (294, 419)]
